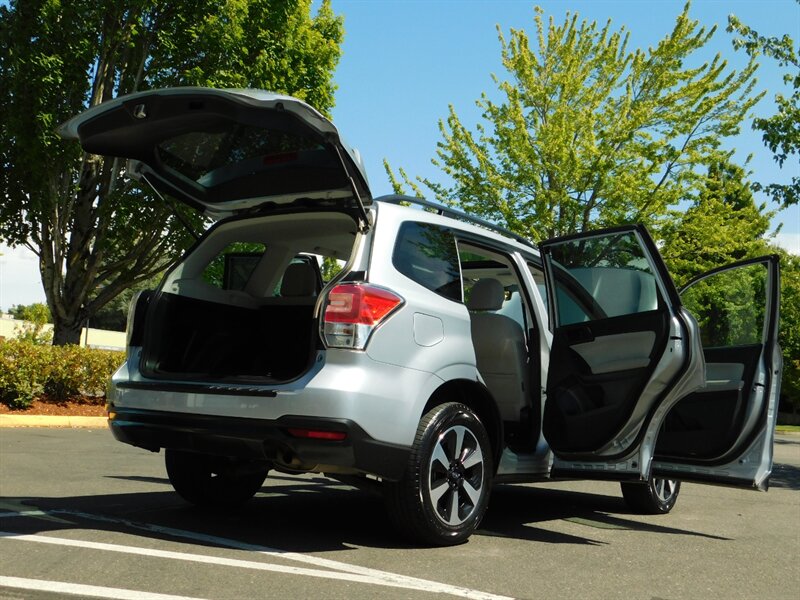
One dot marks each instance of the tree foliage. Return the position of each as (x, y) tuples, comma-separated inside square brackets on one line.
[(722, 224), (781, 131), (588, 133), (34, 316), (790, 327), (730, 306), (95, 233), (35, 313)]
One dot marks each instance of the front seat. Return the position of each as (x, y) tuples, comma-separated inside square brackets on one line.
[(500, 349)]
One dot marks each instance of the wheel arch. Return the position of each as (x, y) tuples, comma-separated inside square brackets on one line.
[(474, 395)]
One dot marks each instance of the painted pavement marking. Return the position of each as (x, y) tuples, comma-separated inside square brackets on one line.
[(78, 589), (339, 570)]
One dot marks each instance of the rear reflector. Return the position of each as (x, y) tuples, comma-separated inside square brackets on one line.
[(318, 434)]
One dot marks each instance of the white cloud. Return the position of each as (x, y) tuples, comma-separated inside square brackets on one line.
[(789, 242)]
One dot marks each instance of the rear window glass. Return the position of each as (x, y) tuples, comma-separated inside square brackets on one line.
[(232, 268), (249, 156), (427, 254)]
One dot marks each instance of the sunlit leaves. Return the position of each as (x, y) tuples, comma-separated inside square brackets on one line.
[(584, 132), (781, 131), (94, 231)]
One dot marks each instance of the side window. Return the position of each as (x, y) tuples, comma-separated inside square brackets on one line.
[(538, 277), (602, 277), (231, 269), (479, 264), (427, 254), (729, 306)]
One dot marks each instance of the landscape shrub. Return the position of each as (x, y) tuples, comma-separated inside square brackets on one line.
[(31, 371)]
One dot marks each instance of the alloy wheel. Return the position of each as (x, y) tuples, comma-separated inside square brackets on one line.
[(455, 475)]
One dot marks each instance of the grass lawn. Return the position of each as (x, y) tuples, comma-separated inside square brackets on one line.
[(788, 428)]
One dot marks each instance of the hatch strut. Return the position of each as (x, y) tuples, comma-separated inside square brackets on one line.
[(363, 221), (171, 206)]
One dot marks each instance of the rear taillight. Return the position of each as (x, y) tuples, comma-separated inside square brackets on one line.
[(353, 311)]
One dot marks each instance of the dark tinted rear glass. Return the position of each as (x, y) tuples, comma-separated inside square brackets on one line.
[(231, 269), (427, 254), (210, 158), (230, 161)]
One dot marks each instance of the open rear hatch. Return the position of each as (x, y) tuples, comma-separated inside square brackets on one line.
[(280, 169), (225, 152)]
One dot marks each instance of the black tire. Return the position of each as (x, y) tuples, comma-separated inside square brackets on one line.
[(444, 492), (213, 481), (655, 497)]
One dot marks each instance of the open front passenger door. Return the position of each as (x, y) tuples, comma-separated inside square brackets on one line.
[(624, 352), (724, 432)]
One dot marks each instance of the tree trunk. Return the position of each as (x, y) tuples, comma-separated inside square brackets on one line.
[(66, 332)]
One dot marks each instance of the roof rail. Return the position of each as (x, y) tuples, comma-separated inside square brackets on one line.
[(454, 213)]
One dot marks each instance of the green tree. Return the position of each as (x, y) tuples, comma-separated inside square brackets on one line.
[(114, 315), (94, 232), (35, 317), (781, 131), (36, 312), (789, 337), (722, 225), (588, 133)]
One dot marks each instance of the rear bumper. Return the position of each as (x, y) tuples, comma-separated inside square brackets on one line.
[(262, 439)]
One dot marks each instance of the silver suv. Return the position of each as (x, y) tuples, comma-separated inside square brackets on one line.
[(396, 342)]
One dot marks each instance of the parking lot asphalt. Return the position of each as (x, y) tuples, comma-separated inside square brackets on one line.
[(84, 516)]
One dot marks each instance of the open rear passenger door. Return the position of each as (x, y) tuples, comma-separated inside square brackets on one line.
[(724, 432), (624, 352)]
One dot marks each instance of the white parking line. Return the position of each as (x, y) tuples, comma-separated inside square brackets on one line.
[(77, 589), (346, 571), (189, 557)]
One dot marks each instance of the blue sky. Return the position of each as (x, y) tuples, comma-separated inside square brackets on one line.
[(405, 61)]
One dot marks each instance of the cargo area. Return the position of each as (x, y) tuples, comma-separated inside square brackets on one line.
[(241, 306)]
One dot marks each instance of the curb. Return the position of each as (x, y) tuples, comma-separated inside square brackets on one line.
[(52, 421)]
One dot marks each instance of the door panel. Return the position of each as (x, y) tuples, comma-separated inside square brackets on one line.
[(724, 432), (617, 352), (621, 349), (597, 372)]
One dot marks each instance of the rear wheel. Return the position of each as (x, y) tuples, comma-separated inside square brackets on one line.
[(655, 497), (444, 492), (216, 481)]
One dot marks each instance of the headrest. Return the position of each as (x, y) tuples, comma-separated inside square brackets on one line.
[(486, 294), (300, 279)]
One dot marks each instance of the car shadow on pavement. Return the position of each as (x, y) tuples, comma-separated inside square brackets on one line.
[(785, 477), (515, 511), (314, 515)]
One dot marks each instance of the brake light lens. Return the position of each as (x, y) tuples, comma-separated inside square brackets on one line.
[(353, 311)]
